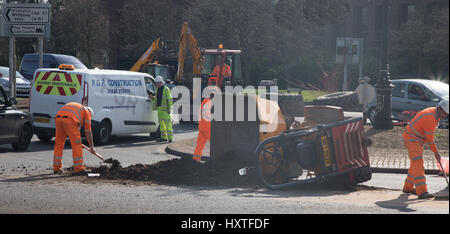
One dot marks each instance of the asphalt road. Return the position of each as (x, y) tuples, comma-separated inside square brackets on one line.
[(27, 185)]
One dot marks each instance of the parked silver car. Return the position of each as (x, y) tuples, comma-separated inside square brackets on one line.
[(23, 85), (414, 95)]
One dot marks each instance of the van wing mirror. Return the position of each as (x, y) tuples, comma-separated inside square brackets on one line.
[(150, 92), (12, 102)]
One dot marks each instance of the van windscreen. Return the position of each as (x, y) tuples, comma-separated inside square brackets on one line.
[(71, 60)]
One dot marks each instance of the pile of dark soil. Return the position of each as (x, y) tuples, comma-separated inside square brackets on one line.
[(183, 171)]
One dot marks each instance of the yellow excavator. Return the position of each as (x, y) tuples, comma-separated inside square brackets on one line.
[(161, 59)]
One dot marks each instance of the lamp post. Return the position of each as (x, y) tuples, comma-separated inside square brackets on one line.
[(383, 87)]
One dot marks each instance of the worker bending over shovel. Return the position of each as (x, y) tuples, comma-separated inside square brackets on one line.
[(69, 120), (418, 133)]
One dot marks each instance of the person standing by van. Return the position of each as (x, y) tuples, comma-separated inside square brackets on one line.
[(162, 102), (69, 120)]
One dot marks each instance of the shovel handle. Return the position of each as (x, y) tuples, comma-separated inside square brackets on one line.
[(96, 154), (443, 172)]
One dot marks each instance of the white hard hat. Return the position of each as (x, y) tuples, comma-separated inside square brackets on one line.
[(159, 79), (90, 110), (444, 105)]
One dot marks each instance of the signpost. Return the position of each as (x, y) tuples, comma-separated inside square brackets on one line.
[(349, 51), (23, 20)]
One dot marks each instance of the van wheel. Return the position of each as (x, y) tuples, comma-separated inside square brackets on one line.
[(155, 135), (45, 138), (103, 133), (24, 139)]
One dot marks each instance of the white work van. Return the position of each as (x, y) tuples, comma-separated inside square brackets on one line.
[(119, 99)]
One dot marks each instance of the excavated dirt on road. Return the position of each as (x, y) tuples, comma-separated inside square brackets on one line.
[(183, 171)]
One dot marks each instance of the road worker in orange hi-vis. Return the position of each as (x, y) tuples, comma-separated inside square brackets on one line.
[(225, 70), (69, 120), (418, 133), (204, 127)]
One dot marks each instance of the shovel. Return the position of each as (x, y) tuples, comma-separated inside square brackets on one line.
[(443, 172), (96, 154)]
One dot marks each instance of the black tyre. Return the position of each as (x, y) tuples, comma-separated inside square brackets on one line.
[(44, 137), (346, 100), (362, 175), (291, 105), (102, 135), (24, 138), (155, 135)]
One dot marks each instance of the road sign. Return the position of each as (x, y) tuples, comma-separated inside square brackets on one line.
[(26, 15), (348, 50), (27, 29), (25, 20)]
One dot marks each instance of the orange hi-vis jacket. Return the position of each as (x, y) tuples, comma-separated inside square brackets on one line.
[(226, 72), (77, 112), (205, 115), (422, 128)]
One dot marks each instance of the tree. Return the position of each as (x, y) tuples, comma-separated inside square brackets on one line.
[(80, 27), (420, 48)]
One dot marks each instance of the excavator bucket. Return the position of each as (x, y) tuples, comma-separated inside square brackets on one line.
[(246, 120)]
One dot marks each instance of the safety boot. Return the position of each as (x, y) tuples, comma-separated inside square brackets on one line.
[(83, 172), (59, 172), (426, 195), (410, 192)]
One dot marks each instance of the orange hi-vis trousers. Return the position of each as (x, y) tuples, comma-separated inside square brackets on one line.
[(416, 173), (204, 135), (66, 127)]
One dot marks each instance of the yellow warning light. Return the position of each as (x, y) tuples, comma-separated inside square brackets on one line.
[(221, 47), (156, 62), (66, 67)]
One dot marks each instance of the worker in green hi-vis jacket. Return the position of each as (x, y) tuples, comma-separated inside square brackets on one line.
[(162, 102)]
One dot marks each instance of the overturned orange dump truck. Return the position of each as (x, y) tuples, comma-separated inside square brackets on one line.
[(324, 147)]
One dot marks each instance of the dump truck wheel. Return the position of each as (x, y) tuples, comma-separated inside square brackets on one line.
[(346, 100), (362, 175)]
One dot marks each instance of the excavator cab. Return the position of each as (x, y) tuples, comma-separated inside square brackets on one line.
[(219, 59), (156, 69)]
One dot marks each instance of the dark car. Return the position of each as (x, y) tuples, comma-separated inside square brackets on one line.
[(30, 62), (15, 125)]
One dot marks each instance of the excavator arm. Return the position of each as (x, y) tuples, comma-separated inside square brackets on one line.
[(147, 56), (188, 39)]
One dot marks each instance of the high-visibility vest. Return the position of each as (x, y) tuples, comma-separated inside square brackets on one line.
[(166, 102), (76, 112), (422, 127)]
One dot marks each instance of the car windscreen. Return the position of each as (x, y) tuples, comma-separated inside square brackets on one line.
[(439, 88), (71, 60), (5, 73)]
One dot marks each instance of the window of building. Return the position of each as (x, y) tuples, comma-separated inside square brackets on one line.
[(406, 12)]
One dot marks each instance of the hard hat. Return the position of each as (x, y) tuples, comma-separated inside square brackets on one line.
[(159, 79), (444, 105), (90, 110)]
